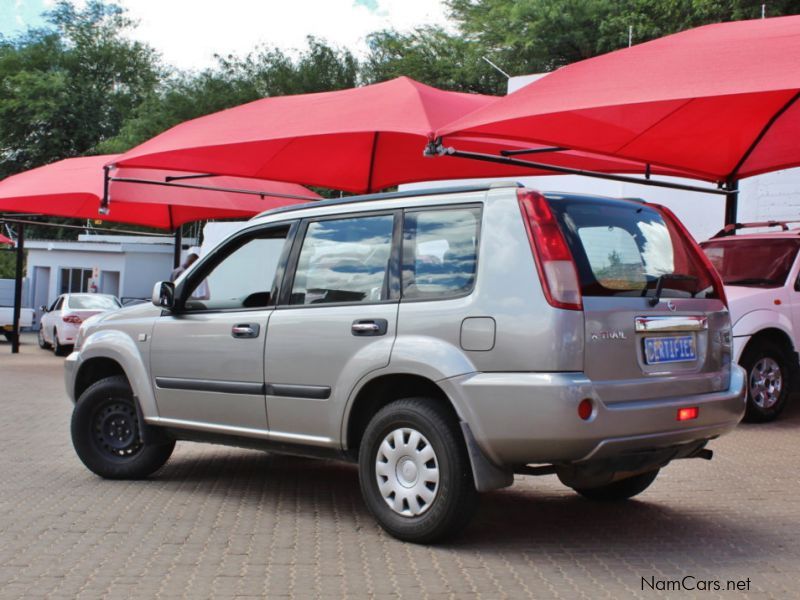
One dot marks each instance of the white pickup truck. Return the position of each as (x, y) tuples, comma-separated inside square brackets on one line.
[(7, 320), (761, 273)]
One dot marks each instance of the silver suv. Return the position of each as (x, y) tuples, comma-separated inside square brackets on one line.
[(443, 340)]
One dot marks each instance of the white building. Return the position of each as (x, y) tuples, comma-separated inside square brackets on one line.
[(125, 266)]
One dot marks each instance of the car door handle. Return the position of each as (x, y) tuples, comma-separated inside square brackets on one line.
[(364, 327), (246, 330)]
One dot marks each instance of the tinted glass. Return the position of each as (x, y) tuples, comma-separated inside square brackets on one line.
[(624, 248), (243, 279), (344, 260), (756, 262), (93, 302), (440, 252)]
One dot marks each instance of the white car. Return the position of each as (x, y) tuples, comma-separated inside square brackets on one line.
[(761, 273), (60, 322)]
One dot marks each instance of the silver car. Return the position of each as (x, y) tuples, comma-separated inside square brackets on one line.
[(443, 340)]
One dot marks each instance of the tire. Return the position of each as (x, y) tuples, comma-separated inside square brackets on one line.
[(42, 342), (769, 377), (58, 348), (107, 407), (620, 490), (427, 509)]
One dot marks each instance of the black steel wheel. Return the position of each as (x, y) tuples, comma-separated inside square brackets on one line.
[(106, 435)]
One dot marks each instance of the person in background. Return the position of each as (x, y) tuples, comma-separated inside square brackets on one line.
[(193, 255)]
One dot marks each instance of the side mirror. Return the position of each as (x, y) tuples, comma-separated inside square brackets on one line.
[(164, 294), (43, 308)]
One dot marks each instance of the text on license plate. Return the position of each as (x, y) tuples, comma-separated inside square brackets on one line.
[(669, 349)]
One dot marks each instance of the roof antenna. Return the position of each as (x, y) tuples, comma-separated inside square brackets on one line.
[(496, 68)]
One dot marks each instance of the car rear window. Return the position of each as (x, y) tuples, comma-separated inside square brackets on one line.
[(623, 248), (92, 303), (752, 262)]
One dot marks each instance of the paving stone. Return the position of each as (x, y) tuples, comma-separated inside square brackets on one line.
[(229, 523)]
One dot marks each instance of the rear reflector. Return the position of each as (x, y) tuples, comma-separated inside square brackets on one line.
[(552, 255), (585, 409), (687, 414)]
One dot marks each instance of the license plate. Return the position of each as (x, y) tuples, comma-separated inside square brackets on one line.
[(679, 348)]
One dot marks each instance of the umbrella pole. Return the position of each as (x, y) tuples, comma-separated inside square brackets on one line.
[(438, 150), (731, 201), (176, 260), (18, 287)]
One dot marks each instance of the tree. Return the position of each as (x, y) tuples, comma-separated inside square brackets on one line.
[(234, 81), (530, 36), (65, 88), (433, 56)]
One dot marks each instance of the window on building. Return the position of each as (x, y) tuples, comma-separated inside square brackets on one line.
[(75, 281)]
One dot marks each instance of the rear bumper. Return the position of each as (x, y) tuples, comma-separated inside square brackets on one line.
[(523, 418)]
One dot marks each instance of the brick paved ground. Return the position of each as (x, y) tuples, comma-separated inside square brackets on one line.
[(220, 522)]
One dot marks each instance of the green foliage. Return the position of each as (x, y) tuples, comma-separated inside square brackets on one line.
[(8, 263), (65, 88), (532, 36), (264, 72), (433, 56)]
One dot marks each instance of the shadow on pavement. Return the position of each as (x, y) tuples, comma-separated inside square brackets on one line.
[(518, 519)]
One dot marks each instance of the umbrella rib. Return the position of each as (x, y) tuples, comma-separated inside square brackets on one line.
[(211, 188), (761, 135), (656, 124)]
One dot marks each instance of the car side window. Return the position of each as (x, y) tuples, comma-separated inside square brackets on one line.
[(440, 251), (59, 303), (344, 260), (242, 278)]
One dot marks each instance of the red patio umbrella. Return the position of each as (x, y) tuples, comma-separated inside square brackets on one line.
[(74, 188), (718, 102), (5, 240), (358, 140)]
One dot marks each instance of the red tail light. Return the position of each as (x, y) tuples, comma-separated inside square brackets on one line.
[(553, 258), (72, 319), (719, 288), (688, 413)]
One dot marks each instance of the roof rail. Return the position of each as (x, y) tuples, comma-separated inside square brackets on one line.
[(387, 196), (732, 228)]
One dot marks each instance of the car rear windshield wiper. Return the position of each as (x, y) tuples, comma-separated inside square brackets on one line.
[(669, 277), (753, 281)]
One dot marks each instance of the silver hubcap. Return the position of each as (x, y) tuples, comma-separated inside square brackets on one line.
[(407, 471), (766, 383)]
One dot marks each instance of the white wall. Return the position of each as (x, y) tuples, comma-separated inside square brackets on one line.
[(142, 271)]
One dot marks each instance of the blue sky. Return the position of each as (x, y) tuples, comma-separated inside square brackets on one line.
[(188, 33), (17, 15)]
